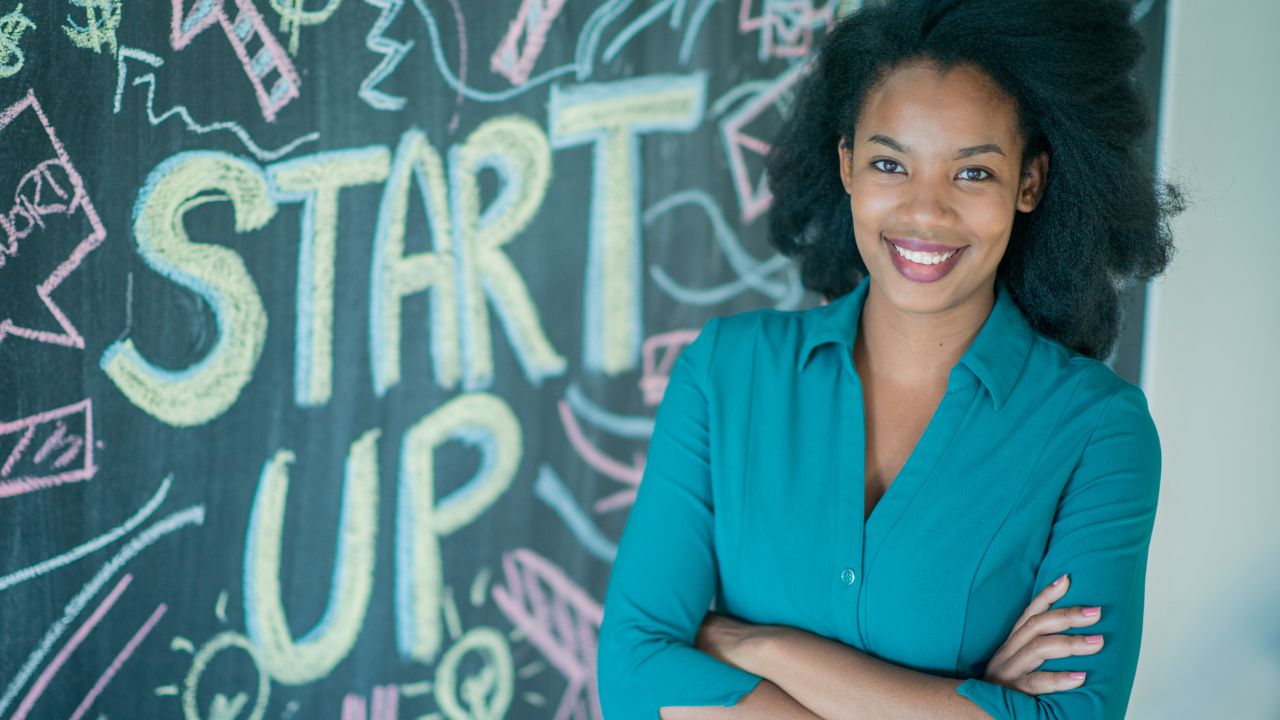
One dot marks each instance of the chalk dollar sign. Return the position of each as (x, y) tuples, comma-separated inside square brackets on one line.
[(293, 16), (12, 25), (102, 17)]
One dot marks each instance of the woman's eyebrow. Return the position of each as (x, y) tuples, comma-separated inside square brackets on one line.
[(963, 152)]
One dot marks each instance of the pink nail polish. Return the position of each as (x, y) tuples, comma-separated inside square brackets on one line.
[(1091, 611), (1077, 676), (1093, 639)]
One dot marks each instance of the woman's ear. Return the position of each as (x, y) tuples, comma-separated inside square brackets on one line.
[(1032, 187), (846, 166)]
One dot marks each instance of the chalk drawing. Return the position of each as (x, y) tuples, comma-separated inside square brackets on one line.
[(51, 187), (149, 79), (385, 702), (754, 199), (293, 15), (395, 275), (203, 391), (222, 707), (786, 26), (517, 151), (101, 20), (118, 661), (42, 454), (313, 656), (673, 8), (79, 551), (259, 52), (12, 25), (478, 419), (611, 117), (50, 670), (787, 292), (392, 52), (657, 370), (550, 489), (193, 515), (560, 619), (487, 694), (316, 181), (531, 24)]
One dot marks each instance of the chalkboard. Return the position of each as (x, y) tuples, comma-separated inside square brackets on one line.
[(331, 333)]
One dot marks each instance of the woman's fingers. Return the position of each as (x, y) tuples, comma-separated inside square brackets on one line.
[(1053, 621), (1046, 623), (1040, 683), (1042, 601), (1034, 653)]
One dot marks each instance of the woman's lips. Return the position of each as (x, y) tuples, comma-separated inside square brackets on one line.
[(919, 271), (919, 245)]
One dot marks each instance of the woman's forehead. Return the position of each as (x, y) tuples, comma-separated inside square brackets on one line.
[(927, 108)]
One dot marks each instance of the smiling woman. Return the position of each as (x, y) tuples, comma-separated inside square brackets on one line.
[(905, 502)]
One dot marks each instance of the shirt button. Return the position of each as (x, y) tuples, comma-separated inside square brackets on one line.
[(848, 576)]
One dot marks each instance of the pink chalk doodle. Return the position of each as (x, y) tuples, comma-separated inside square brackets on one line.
[(44, 453), (754, 201), (629, 475), (560, 619), (532, 22), (42, 682), (386, 699), (259, 51), (118, 661), (653, 380), (51, 188), (786, 26)]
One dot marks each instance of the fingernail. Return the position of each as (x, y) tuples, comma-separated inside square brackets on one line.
[(1059, 580), (1077, 676), (1093, 639), (1091, 611)]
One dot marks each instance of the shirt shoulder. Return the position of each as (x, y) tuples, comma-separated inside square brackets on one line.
[(763, 338)]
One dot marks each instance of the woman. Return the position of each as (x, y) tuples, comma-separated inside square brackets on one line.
[(928, 497)]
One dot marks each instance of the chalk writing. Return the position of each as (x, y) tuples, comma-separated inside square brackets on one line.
[(12, 25), (270, 71), (101, 20), (50, 189), (40, 452)]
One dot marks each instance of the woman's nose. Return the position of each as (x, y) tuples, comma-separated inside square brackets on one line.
[(925, 204)]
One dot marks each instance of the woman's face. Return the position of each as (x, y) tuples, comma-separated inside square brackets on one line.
[(933, 174)]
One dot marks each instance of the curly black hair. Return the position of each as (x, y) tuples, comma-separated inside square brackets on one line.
[(1102, 221)]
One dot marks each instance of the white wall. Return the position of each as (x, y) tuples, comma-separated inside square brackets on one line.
[(1211, 642)]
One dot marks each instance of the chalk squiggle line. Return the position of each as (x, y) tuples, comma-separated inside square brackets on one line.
[(630, 426), (550, 489), (437, 52), (20, 576), (392, 52), (753, 274), (193, 515), (235, 128)]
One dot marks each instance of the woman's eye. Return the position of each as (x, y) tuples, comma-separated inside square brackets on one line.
[(876, 164), (964, 174)]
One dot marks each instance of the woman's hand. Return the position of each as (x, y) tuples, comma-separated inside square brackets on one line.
[(1033, 640)]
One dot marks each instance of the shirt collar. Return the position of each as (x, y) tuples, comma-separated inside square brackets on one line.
[(996, 355)]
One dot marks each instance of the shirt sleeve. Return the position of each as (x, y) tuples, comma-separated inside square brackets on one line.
[(1100, 536), (664, 576)]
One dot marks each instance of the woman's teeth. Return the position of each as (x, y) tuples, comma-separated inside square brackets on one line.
[(924, 258)]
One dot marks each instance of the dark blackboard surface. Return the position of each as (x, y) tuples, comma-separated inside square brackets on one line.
[(227, 488)]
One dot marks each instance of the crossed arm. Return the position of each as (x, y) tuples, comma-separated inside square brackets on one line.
[(654, 663)]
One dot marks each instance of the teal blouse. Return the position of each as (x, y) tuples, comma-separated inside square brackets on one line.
[(1037, 462)]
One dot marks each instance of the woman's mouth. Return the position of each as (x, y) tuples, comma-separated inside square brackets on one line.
[(923, 262)]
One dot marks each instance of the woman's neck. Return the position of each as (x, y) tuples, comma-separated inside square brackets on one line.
[(916, 349)]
